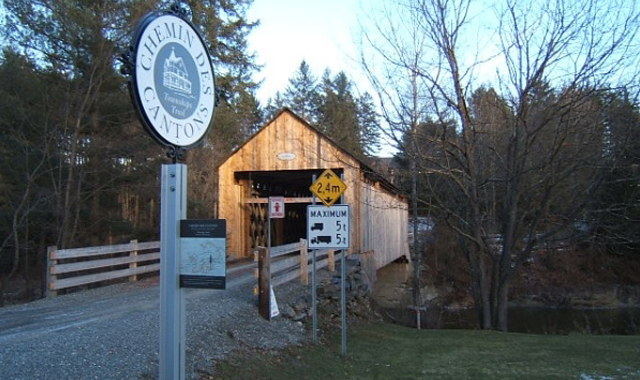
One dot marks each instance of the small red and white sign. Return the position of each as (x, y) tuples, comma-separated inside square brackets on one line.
[(276, 207)]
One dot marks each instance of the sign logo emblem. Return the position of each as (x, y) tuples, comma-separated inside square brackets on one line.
[(173, 83)]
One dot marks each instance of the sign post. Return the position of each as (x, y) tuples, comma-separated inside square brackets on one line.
[(314, 300), (343, 296), (172, 88), (276, 211), (173, 208), (328, 228)]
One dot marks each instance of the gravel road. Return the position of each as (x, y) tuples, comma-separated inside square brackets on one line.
[(112, 332)]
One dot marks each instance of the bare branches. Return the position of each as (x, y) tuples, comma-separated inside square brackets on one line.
[(518, 159)]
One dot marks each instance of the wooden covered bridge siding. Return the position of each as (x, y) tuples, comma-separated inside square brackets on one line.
[(280, 160)]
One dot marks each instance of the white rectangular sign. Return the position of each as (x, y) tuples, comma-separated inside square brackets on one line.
[(276, 207), (328, 227)]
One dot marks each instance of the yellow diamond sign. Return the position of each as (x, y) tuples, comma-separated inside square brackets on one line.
[(328, 187)]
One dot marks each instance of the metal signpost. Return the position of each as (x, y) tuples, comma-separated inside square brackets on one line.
[(173, 91), (328, 228), (173, 207), (343, 297), (276, 211), (314, 301)]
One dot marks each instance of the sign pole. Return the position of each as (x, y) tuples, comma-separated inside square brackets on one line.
[(328, 227), (269, 227), (314, 301), (342, 291), (176, 126), (173, 208)]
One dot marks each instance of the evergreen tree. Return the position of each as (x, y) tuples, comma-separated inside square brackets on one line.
[(302, 94), (101, 182), (338, 113), (369, 125), (331, 105), (274, 105)]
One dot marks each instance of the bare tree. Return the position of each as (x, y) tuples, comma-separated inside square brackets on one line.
[(402, 101), (526, 175)]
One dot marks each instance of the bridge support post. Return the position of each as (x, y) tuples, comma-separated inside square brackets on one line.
[(264, 283), (134, 264), (51, 276)]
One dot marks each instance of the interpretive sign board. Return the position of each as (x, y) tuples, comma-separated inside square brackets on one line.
[(328, 227), (203, 256)]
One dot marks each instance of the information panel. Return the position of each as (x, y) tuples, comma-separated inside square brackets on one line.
[(328, 227), (203, 253)]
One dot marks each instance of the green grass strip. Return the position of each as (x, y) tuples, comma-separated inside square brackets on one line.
[(386, 351)]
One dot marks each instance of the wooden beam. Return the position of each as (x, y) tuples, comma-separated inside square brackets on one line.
[(103, 250), (285, 264), (264, 283), (85, 265), (83, 280), (286, 200), (282, 250), (286, 277)]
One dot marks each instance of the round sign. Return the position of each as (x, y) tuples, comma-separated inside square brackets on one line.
[(173, 83)]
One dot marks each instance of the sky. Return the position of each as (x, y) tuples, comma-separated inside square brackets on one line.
[(320, 32)]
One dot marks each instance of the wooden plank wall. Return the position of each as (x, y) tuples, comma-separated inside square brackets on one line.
[(290, 134), (385, 219)]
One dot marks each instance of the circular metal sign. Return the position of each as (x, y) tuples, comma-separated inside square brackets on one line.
[(173, 83)]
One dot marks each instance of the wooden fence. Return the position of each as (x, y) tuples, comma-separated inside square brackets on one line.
[(68, 268), (283, 264)]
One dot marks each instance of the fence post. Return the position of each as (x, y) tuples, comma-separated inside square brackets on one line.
[(331, 261), (264, 283), (51, 277), (304, 262), (133, 264)]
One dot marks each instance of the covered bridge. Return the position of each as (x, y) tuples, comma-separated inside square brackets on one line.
[(280, 160)]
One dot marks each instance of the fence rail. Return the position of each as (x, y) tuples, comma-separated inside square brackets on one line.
[(68, 268)]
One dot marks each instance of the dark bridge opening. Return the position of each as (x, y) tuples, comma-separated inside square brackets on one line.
[(291, 184)]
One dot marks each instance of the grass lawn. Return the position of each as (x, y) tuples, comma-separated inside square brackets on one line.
[(386, 351)]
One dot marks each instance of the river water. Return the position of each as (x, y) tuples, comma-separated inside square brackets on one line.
[(392, 298)]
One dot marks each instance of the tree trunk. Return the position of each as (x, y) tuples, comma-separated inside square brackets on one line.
[(486, 298), (481, 291), (502, 310)]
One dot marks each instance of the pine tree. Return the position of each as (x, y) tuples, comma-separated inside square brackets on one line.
[(302, 94), (338, 113), (369, 125), (102, 168)]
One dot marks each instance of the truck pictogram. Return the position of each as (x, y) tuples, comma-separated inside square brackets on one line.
[(321, 239), (317, 226)]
